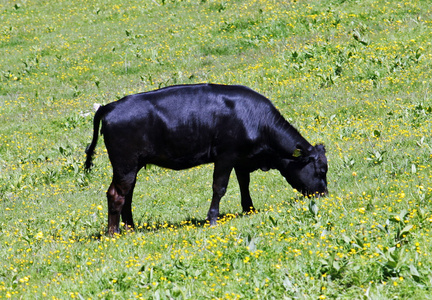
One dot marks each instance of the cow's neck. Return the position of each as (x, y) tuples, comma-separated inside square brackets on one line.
[(285, 139)]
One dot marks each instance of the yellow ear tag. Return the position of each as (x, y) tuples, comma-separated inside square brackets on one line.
[(296, 153)]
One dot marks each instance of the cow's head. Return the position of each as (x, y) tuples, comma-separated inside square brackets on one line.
[(306, 171)]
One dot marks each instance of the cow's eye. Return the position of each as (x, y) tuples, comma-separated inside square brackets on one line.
[(321, 171)]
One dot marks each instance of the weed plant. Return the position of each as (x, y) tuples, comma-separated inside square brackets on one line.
[(354, 75)]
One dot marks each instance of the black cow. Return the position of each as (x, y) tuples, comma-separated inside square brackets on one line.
[(183, 126)]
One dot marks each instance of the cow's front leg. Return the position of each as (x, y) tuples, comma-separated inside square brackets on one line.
[(221, 176), (243, 177)]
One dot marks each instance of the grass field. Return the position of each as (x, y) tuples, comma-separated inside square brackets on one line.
[(354, 75)]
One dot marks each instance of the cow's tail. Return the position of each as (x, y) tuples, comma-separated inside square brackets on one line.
[(91, 147)]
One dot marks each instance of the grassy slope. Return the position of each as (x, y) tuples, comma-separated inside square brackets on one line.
[(352, 74)]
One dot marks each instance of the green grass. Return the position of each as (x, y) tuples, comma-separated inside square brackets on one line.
[(354, 75)]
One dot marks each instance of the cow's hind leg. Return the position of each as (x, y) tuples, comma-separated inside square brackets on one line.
[(126, 212), (119, 196), (243, 177)]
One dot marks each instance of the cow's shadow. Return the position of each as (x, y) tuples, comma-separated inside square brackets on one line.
[(190, 222), (154, 226), (163, 225)]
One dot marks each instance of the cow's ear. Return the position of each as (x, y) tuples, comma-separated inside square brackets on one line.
[(302, 153), (297, 153)]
